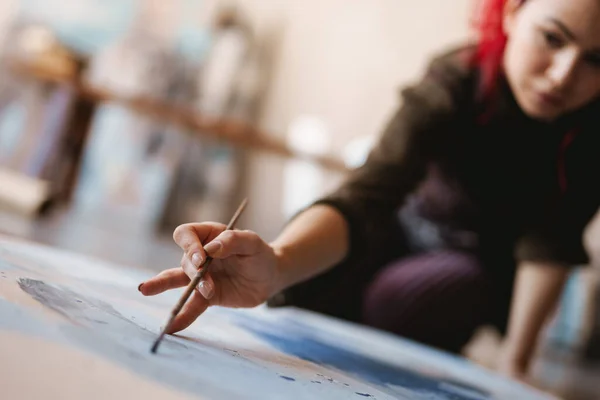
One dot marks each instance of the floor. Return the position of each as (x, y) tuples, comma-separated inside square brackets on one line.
[(124, 242), (114, 238), (556, 370)]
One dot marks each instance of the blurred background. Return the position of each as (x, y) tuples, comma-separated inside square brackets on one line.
[(121, 119)]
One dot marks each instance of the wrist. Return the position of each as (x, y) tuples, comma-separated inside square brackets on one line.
[(514, 353), (282, 261)]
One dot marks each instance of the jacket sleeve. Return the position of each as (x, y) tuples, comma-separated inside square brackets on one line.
[(557, 237), (372, 193)]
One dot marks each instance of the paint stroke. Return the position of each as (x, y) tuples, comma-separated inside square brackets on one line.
[(184, 365), (97, 326), (92, 313), (296, 339)]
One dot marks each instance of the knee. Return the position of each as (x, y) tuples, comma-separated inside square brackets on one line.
[(440, 294), (434, 274)]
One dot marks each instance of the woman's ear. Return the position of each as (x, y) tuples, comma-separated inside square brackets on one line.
[(509, 14)]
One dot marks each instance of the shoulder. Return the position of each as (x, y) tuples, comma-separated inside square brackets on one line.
[(453, 65), (448, 81)]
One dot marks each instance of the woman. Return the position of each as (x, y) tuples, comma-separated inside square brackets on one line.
[(477, 194)]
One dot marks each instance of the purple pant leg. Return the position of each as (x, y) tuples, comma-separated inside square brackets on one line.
[(437, 298)]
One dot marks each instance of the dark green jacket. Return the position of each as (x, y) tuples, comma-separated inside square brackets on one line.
[(480, 170)]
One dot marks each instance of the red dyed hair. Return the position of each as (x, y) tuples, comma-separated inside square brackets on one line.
[(487, 21)]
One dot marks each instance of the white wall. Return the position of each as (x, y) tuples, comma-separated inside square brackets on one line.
[(342, 61), (8, 9)]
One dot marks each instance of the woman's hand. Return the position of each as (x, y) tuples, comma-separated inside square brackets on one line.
[(243, 273)]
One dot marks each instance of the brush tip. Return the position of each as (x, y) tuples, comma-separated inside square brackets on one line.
[(154, 347)]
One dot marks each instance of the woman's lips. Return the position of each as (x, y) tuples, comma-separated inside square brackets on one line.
[(550, 98)]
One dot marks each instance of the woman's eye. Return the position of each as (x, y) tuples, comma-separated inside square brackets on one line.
[(553, 40)]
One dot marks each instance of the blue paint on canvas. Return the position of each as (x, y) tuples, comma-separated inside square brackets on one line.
[(266, 353), (296, 339)]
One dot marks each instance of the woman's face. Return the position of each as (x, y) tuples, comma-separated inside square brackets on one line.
[(552, 56)]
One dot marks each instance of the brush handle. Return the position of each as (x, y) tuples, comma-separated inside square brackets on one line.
[(182, 300), (204, 267), (194, 282), (191, 286)]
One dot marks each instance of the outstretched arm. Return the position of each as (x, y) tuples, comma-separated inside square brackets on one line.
[(538, 287)]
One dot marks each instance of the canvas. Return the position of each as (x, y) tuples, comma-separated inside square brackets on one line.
[(73, 327)]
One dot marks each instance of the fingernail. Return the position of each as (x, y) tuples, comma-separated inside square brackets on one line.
[(213, 248), (196, 259), (140, 287), (205, 288)]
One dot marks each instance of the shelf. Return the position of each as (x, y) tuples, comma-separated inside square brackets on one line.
[(227, 130)]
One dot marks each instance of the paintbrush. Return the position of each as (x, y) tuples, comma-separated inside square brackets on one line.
[(194, 282)]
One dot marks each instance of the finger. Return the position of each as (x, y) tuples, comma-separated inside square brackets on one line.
[(187, 266), (229, 243), (168, 279), (192, 310), (206, 286), (191, 236)]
